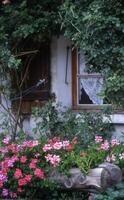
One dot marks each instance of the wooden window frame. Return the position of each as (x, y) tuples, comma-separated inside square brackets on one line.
[(75, 74)]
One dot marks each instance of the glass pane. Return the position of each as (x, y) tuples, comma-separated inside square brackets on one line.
[(81, 63), (89, 89)]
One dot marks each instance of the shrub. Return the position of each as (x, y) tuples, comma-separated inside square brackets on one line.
[(116, 193), (53, 120)]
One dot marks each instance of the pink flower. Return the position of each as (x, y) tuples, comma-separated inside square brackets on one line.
[(13, 194), (1, 184), (6, 2), (23, 159), (39, 173), (4, 150), (114, 142), (18, 173), (30, 143), (53, 159), (35, 143), (69, 147), (108, 159), (33, 160), (5, 192), (32, 165), (28, 178), (105, 146), (47, 147), (37, 155), (3, 177), (113, 158), (12, 147), (121, 156), (6, 140), (98, 139), (19, 189), (22, 182), (66, 143), (57, 145)]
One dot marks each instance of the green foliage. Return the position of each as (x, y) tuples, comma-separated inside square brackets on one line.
[(115, 88), (53, 120), (97, 26), (116, 193), (23, 20)]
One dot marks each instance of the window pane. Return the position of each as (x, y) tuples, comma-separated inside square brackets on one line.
[(81, 63), (89, 89)]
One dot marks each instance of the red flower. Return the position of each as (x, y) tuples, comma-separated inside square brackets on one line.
[(22, 182), (23, 159), (28, 178), (18, 173), (1, 184), (19, 189), (39, 173), (32, 165), (69, 147)]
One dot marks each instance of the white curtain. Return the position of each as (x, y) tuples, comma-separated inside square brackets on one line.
[(92, 87)]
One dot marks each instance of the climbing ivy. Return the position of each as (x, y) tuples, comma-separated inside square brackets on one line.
[(97, 26)]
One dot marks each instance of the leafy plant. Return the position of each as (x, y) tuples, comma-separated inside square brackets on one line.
[(116, 193), (97, 28), (53, 120)]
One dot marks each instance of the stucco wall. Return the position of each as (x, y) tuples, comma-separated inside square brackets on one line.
[(61, 89)]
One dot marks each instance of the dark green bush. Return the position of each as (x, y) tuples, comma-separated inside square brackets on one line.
[(52, 120), (116, 193)]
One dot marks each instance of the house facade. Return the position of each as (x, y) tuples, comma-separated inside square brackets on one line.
[(61, 72)]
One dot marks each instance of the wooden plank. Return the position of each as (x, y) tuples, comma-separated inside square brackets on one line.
[(74, 78)]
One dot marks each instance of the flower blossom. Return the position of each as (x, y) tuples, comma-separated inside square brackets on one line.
[(66, 143), (19, 190), (98, 139), (1, 184), (121, 156), (114, 142), (111, 158), (5, 192), (13, 148), (23, 159), (6, 140), (4, 150), (28, 178), (57, 145), (69, 147), (53, 159), (22, 182), (3, 177), (18, 173), (9, 162), (47, 147), (33, 163), (13, 195), (30, 143), (39, 173), (105, 146)]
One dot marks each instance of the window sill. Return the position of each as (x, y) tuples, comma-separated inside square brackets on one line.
[(91, 107), (116, 118)]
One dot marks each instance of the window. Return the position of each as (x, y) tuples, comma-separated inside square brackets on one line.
[(33, 76), (86, 87)]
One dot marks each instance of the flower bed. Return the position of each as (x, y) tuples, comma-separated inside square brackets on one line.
[(29, 164)]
